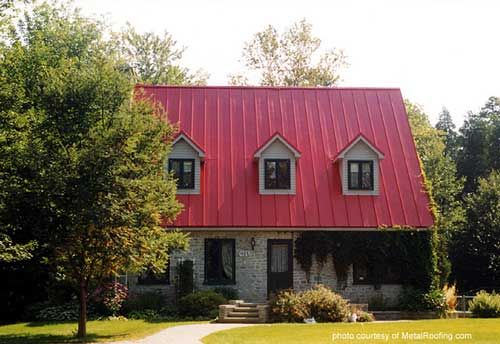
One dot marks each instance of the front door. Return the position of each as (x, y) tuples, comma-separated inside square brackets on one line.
[(279, 265)]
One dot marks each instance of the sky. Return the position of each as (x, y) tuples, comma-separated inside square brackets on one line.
[(439, 52)]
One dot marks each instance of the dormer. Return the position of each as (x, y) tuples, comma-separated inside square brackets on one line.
[(185, 162), (277, 163), (359, 164)]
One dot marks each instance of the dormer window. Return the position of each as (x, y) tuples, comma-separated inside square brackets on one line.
[(183, 170), (277, 160), (359, 164), (277, 174), (184, 161), (360, 175)]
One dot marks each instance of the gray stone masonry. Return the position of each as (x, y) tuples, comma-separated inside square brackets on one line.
[(251, 269)]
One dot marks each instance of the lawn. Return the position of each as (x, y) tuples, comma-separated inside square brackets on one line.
[(98, 331), (460, 330)]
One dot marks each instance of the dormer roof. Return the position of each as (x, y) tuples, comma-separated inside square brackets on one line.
[(183, 136), (355, 141), (276, 137)]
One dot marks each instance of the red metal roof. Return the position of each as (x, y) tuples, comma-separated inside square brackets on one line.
[(231, 123)]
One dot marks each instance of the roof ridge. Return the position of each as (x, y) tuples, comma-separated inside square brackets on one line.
[(271, 87)]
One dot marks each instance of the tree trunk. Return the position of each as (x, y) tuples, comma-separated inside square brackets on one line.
[(82, 319)]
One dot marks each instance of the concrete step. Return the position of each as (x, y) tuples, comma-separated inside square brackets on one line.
[(238, 320), (244, 314), (246, 309)]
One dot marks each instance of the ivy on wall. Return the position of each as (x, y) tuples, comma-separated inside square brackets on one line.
[(411, 251)]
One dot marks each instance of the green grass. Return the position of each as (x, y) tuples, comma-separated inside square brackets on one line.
[(482, 331), (97, 331)]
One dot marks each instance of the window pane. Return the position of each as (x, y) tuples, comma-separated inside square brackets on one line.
[(366, 176), (284, 174), (361, 273), (188, 166), (212, 263), (270, 175), (279, 258), (227, 260), (175, 166), (353, 175)]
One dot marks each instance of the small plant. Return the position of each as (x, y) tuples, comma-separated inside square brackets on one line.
[(416, 300), (111, 295), (364, 317), (485, 305), (450, 294), (146, 314), (201, 303), (65, 312), (287, 306)]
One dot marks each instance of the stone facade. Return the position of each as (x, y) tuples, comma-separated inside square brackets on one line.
[(251, 269)]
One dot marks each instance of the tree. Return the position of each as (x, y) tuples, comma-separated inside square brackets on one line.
[(291, 58), (154, 59), (441, 176), (88, 171), (480, 143), (476, 249), (446, 125)]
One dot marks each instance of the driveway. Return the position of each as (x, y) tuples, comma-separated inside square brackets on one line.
[(183, 334)]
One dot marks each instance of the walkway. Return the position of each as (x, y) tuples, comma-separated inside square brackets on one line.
[(183, 334)]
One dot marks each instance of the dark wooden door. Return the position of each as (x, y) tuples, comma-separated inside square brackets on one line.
[(279, 265)]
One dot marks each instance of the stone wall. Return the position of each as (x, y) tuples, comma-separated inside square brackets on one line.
[(251, 269)]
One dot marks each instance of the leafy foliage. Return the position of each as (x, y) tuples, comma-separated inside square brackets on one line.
[(291, 58), (485, 305), (414, 299), (319, 302), (227, 292), (476, 249), (445, 124), (111, 295), (154, 59), (85, 174), (201, 303), (410, 251)]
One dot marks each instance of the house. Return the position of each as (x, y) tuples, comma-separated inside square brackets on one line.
[(256, 166)]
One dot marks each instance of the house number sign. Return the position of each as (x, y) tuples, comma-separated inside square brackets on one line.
[(245, 253)]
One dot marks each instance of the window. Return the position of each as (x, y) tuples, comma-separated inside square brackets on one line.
[(277, 173), (364, 273), (183, 170), (150, 278), (360, 175), (219, 261)]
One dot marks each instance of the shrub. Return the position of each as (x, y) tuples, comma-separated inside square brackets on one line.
[(287, 306), (485, 305), (146, 314), (65, 312), (111, 296), (450, 295), (417, 300), (364, 317), (184, 280), (139, 302), (201, 303), (228, 293), (319, 302)]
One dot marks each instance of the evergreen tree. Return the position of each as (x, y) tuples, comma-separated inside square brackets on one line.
[(446, 125)]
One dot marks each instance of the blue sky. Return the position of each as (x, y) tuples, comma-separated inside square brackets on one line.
[(440, 52)]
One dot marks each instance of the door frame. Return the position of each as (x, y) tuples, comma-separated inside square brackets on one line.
[(289, 242)]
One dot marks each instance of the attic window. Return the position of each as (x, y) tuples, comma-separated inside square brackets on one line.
[(360, 175), (183, 170), (277, 174)]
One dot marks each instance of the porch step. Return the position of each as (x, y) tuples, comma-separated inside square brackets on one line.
[(243, 312)]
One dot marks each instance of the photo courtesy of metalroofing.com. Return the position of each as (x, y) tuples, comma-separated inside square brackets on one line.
[(230, 124)]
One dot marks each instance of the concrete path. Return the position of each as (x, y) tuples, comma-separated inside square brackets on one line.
[(183, 334)]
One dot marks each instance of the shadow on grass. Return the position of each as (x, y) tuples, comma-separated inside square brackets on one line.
[(47, 338)]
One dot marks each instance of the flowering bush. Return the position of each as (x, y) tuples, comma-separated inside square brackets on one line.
[(111, 295)]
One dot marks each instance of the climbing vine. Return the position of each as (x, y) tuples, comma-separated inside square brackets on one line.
[(411, 252)]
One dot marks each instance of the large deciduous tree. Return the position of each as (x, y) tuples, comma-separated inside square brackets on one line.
[(155, 59), (476, 249), (83, 159), (441, 176), (480, 143), (291, 58)]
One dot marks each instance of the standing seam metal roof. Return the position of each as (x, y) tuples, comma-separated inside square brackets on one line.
[(231, 123)]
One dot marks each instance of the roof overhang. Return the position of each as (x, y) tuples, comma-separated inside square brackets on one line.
[(351, 144), (276, 137), (183, 136)]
